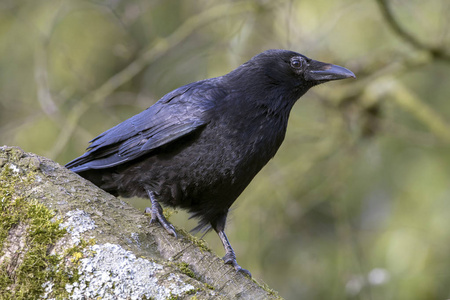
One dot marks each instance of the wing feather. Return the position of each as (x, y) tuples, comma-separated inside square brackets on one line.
[(177, 114)]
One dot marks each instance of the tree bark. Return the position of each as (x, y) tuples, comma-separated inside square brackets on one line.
[(63, 237)]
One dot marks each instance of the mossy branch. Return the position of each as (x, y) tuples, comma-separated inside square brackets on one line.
[(62, 237)]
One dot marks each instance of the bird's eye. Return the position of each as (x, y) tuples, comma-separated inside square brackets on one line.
[(296, 63)]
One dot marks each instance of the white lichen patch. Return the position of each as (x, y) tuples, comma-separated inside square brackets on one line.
[(77, 222), (111, 272), (135, 238), (13, 168), (48, 290)]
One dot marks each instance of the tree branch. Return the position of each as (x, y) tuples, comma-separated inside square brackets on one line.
[(62, 237), (394, 24)]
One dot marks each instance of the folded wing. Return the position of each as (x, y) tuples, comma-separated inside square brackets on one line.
[(177, 114)]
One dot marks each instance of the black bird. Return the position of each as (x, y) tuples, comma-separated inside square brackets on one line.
[(200, 145)]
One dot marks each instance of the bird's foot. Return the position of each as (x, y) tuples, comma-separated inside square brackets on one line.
[(230, 259), (156, 212)]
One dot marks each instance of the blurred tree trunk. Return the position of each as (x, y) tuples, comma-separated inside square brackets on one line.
[(62, 237)]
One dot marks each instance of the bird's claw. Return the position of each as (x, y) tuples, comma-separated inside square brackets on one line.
[(158, 217), (231, 260)]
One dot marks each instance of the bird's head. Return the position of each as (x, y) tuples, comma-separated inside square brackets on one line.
[(296, 71), (277, 78)]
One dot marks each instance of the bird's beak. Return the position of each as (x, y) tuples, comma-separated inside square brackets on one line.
[(321, 72)]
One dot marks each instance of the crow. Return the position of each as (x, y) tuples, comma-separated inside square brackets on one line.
[(200, 145)]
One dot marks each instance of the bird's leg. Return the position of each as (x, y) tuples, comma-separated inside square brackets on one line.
[(230, 257), (157, 214)]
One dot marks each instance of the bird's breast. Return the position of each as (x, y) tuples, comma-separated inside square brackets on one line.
[(248, 143)]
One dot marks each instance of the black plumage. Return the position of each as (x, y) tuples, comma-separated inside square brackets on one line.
[(200, 145)]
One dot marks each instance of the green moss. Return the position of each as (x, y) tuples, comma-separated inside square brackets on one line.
[(209, 286), (201, 244), (36, 264), (185, 269), (173, 297), (11, 209), (15, 153), (268, 289), (168, 212), (192, 292)]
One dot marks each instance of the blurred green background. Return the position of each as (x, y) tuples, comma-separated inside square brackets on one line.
[(355, 205)]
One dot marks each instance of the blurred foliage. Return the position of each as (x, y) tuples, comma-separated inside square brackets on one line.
[(356, 203)]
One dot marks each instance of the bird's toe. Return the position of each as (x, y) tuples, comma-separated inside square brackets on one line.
[(231, 260), (158, 217), (169, 228), (243, 271)]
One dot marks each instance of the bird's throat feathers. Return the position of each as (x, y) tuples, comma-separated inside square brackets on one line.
[(268, 94)]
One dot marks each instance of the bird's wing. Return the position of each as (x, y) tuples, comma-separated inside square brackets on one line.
[(177, 114)]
